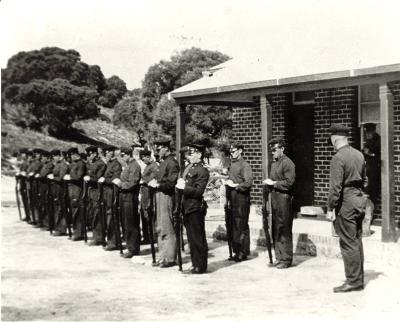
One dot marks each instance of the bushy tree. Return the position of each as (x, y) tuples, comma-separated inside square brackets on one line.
[(126, 111), (114, 91), (54, 85)]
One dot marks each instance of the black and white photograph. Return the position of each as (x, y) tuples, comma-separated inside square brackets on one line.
[(200, 160)]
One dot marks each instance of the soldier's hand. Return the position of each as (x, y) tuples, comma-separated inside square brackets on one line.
[(180, 184), (153, 183), (269, 182), (231, 184), (86, 178), (101, 180), (330, 215), (37, 175), (67, 177), (23, 173), (50, 176), (117, 182), (30, 174)]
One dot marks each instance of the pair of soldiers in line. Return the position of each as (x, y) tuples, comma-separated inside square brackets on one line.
[(122, 171)]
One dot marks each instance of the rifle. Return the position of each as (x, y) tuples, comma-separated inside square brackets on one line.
[(84, 213), (265, 221), (151, 213), (228, 219), (66, 208), (102, 213), (115, 213), (177, 224), (50, 201), (17, 197)]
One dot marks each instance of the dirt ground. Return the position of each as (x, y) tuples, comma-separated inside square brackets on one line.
[(52, 278)]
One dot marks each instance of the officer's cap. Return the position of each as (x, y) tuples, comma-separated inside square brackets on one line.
[(23, 150), (126, 149), (71, 151), (91, 149), (136, 145), (277, 141), (237, 145), (55, 152), (45, 153), (83, 155), (163, 142), (369, 127), (339, 129), (144, 153), (109, 148), (196, 145), (37, 150)]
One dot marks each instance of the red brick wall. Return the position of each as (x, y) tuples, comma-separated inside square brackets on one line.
[(247, 130), (334, 105), (395, 89)]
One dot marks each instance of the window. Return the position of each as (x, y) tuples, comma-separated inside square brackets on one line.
[(302, 98), (369, 107)]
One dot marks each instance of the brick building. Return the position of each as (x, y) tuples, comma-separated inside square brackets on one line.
[(301, 106)]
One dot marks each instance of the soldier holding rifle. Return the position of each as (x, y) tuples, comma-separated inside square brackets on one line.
[(74, 178), (193, 184), (21, 182), (46, 201), (95, 170), (239, 182), (60, 208), (112, 172), (128, 184), (280, 182), (34, 170), (165, 182)]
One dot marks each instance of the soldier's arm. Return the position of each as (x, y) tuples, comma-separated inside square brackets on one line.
[(169, 180), (248, 178), (100, 169), (289, 175), (133, 177), (335, 182), (81, 171), (197, 190)]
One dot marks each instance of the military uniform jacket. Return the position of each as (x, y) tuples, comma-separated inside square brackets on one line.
[(61, 168), (77, 171), (24, 166), (46, 169), (347, 177), (150, 172), (167, 175), (95, 170), (130, 176), (112, 172), (195, 183), (374, 146), (35, 167), (240, 172), (283, 171)]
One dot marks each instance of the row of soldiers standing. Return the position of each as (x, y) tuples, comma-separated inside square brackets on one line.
[(113, 191)]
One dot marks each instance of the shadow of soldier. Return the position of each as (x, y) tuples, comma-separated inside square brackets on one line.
[(370, 275)]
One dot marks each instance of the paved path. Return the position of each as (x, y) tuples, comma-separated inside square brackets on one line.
[(52, 278)]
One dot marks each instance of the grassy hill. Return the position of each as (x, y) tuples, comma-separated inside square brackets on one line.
[(83, 133)]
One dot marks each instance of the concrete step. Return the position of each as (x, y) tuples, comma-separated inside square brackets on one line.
[(310, 237)]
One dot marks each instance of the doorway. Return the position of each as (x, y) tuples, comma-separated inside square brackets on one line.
[(301, 152)]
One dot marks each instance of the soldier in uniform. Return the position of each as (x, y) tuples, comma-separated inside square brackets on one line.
[(240, 181), (112, 172), (95, 170), (44, 188), (147, 193), (60, 208), (280, 182), (33, 171), (165, 182), (193, 183), (128, 184), (75, 176), (21, 177), (346, 203)]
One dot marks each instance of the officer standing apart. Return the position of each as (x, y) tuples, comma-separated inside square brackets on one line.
[(129, 200), (165, 182), (240, 181), (280, 182), (346, 203), (193, 183)]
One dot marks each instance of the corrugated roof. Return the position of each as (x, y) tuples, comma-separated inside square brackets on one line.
[(275, 70)]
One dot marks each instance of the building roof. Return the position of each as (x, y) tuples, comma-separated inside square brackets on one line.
[(274, 70)]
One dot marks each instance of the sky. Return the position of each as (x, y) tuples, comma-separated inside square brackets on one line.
[(126, 37)]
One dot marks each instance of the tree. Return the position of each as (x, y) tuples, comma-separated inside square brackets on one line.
[(165, 76), (126, 111), (114, 91)]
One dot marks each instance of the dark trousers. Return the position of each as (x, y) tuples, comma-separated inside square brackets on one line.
[(44, 203), (196, 234), (76, 206), (60, 208), (108, 202), (240, 223), (282, 222), (94, 214), (131, 218), (24, 196), (348, 226)]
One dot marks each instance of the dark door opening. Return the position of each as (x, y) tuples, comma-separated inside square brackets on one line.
[(301, 151)]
